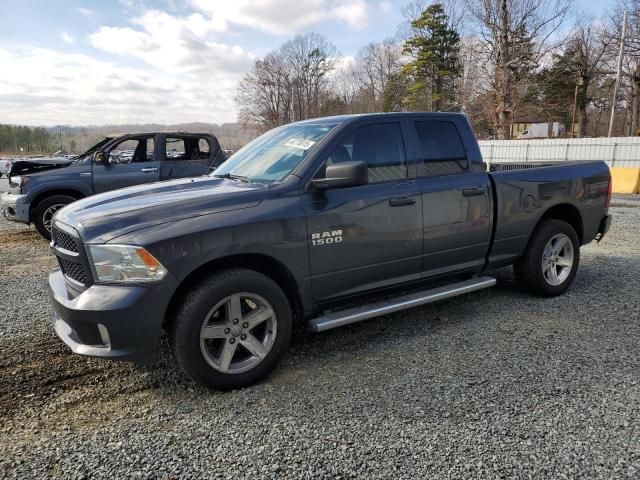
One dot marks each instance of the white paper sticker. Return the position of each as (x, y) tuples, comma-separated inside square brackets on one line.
[(300, 143)]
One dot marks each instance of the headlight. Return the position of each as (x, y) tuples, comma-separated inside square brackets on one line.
[(124, 263), (18, 181)]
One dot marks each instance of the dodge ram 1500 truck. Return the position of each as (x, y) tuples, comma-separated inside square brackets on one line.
[(40, 187), (326, 222)]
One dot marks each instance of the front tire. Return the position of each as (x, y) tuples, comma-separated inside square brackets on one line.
[(551, 260), (232, 329), (46, 209)]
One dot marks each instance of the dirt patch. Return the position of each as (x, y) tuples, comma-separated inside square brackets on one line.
[(29, 266), (9, 239), (34, 372)]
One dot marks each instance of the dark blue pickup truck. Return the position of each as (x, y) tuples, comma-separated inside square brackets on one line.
[(38, 188), (323, 223)]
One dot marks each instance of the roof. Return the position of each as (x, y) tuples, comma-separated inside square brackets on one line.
[(135, 134), (354, 116)]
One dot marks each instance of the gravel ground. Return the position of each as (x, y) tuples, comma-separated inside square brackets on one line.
[(494, 384)]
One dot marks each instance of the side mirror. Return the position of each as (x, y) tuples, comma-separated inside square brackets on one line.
[(98, 157), (343, 175)]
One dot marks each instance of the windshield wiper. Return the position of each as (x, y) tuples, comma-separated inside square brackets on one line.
[(234, 177)]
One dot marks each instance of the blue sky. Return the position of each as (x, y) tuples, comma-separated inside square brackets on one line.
[(167, 61)]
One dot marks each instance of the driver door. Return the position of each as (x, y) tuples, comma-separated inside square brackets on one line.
[(130, 162), (367, 236)]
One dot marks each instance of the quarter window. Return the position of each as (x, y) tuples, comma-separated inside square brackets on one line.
[(442, 150), (380, 146), (186, 148)]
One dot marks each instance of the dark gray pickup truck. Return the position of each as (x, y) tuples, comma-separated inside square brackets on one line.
[(38, 188), (324, 223)]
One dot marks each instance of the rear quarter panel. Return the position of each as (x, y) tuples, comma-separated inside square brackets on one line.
[(524, 196)]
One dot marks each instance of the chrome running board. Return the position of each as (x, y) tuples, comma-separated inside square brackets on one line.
[(357, 314)]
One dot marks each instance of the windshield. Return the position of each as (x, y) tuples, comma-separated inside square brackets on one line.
[(272, 156), (102, 142)]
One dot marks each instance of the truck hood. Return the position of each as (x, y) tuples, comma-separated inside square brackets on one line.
[(35, 165), (22, 167), (103, 217)]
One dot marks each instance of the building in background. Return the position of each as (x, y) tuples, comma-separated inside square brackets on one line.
[(532, 127)]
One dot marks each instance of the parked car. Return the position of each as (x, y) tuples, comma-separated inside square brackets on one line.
[(303, 225), (39, 188), (5, 166)]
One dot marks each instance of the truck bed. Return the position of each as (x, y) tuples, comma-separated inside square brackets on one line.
[(523, 195)]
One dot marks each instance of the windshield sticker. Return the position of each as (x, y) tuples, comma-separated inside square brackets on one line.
[(302, 143)]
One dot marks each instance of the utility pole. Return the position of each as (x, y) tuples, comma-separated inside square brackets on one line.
[(619, 74), (575, 106)]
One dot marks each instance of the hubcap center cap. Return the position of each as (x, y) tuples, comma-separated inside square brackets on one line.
[(236, 330)]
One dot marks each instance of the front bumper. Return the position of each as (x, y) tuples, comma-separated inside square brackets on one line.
[(605, 224), (15, 208), (110, 321)]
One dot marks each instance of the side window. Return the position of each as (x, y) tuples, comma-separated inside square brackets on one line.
[(187, 148), (203, 148), (443, 152), (174, 149), (380, 146), (132, 150)]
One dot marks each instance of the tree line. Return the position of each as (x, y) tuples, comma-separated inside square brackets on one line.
[(495, 60), (16, 139)]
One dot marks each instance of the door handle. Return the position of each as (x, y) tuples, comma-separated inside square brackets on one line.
[(402, 201), (149, 170), (472, 192)]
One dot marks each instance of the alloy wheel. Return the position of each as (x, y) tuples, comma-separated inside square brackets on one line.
[(557, 259), (47, 216), (238, 333)]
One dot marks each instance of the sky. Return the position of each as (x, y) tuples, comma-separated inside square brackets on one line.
[(98, 62)]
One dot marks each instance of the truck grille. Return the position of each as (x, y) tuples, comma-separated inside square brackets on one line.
[(64, 240), (74, 271), (71, 257)]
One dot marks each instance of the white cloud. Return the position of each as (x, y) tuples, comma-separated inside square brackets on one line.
[(67, 37), (353, 13), (85, 12), (282, 16), (385, 6), (171, 44), (45, 87)]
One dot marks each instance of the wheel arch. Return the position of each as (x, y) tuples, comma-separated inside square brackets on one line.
[(567, 213), (260, 263), (50, 193)]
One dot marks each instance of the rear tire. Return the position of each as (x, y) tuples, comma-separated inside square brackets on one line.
[(550, 261), (232, 329), (46, 209)]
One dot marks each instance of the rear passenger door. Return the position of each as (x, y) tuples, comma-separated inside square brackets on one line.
[(186, 156), (368, 236), (455, 200)]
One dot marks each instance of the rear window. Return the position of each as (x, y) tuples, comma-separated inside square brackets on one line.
[(442, 150)]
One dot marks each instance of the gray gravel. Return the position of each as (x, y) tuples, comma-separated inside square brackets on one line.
[(495, 384)]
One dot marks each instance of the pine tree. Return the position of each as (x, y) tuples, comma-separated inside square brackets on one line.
[(435, 66)]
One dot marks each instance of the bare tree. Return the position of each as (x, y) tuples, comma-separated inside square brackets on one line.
[(264, 94), (374, 65), (516, 34), (289, 84), (630, 90), (311, 58)]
